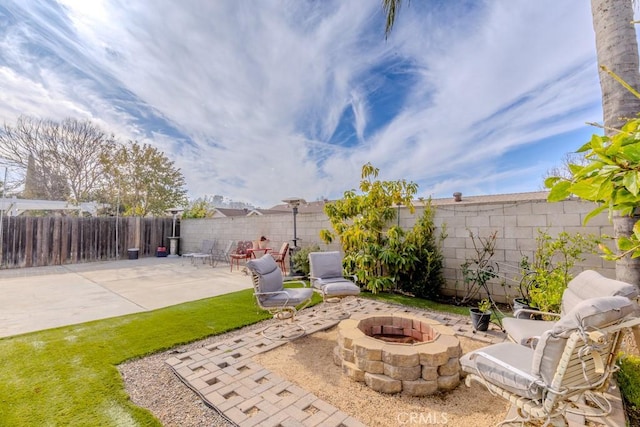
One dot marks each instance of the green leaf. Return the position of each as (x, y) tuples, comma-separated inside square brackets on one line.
[(595, 143), (625, 244), (605, 189), (587, 189), (575, 169), (605, 249), (559, 192), (636, 230), (630, 182), (631, 152), (551, 181), (594, 213)]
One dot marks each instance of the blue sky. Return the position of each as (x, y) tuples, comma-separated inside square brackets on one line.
[(263, 100)]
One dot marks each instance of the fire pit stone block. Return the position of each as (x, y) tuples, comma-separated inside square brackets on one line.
[(382, 383), (419, 387), (411, 373)]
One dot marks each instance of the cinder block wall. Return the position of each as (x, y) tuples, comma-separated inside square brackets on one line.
[(278, 228), (516, 218), (517, 224)]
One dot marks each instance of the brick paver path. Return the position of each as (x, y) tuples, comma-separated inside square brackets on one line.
[(247, 394)]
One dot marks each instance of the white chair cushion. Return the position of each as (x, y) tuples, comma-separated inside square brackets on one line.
[(591, 284), (522, 331), (507, 365), (293, 296), (268, 271), (325, 264), (595, 313), (337, 287)]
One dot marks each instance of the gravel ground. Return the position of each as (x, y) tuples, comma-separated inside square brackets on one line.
[(151, 384)]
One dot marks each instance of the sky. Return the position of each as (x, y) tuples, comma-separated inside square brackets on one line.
[(262, 100)]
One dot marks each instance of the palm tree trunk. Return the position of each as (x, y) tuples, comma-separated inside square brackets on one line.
[(617, 49)]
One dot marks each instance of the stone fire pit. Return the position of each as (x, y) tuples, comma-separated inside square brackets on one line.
[(399, 352)]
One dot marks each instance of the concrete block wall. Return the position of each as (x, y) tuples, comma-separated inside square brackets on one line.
[(516, 222), (278, 228)]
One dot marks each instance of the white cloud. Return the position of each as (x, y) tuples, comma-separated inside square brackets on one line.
[(245, 96)]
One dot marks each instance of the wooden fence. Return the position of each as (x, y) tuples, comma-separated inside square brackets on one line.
[(40, 241)]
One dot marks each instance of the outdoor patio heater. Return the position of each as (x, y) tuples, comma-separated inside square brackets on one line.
[(173, 239), (294, 202)]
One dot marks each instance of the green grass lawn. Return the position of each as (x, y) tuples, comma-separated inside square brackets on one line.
[(68, 376)]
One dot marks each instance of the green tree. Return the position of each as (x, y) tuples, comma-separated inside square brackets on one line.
[(143, 181), (199, 208), (362, 223)]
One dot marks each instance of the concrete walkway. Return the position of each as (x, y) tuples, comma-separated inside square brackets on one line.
[(37, 298)]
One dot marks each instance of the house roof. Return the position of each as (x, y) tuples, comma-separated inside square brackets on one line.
[(232, 212), (309, 207), (493, 198), (318, 206)]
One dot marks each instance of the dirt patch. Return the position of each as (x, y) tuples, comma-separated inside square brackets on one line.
[(308, 363)]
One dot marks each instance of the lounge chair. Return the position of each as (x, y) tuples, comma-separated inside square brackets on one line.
[(569, 369), (327, 277), (525, 330), (271, 295)]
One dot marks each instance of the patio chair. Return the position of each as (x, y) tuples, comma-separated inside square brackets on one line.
[(240, 253), (205, 254), (524, 330), (567, 372), (326, 276), (281, 256), (222, 254), (271, 295)]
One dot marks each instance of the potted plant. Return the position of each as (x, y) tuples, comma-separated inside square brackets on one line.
[(481, 315), (264, 242), (527, 282)]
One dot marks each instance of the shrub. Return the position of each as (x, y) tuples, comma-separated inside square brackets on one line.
[(419, 270), (629, 381), (301, 259), (372, 246), (553, 262)]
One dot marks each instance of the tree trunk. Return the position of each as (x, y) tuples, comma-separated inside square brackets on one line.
[(617, 49)]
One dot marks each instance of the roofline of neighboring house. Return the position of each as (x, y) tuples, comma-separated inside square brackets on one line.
[(457, 198)]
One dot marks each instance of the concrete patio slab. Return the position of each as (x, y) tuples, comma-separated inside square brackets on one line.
[(37, 298)]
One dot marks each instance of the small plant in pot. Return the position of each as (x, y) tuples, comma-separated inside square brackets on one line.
[(481, 315), (264, 242)]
